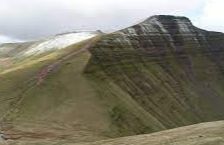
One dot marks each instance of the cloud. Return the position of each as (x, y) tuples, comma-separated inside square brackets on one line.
[(30, 19), (212, 17)]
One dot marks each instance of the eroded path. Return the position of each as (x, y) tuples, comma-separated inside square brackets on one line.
[(43, 130)]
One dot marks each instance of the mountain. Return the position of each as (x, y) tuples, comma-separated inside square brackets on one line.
[(160, 74), (172, 69)]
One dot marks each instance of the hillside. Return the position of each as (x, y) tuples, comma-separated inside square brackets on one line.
[(160, 74), (211, 133)]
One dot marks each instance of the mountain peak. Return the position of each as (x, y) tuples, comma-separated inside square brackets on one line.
[(169, 24), (169, 17)]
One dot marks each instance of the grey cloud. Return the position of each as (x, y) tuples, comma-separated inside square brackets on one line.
[(31, 19)]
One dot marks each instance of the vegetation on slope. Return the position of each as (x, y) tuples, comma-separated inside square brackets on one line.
[(52, 98), (211, 133), (170, 68), (160, 74)]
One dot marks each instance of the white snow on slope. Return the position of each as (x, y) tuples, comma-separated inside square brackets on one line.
[(6, 39), (59, 42)]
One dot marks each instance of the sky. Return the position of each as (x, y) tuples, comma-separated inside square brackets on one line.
[(34, 19)]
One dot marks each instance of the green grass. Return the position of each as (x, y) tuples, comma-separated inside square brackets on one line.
[(70, 99), (175, 89)]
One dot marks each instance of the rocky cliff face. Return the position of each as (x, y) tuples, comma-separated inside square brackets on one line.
[(172, 69)]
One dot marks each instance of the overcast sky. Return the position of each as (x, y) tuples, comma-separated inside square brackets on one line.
[(31, 19)]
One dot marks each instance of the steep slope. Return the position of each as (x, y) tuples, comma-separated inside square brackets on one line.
[(172, 69)]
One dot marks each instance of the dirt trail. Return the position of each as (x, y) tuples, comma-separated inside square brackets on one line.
[(50, 68), (31, 83)]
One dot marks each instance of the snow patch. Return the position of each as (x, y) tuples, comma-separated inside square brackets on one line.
[(6, 39), (59, 42)]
